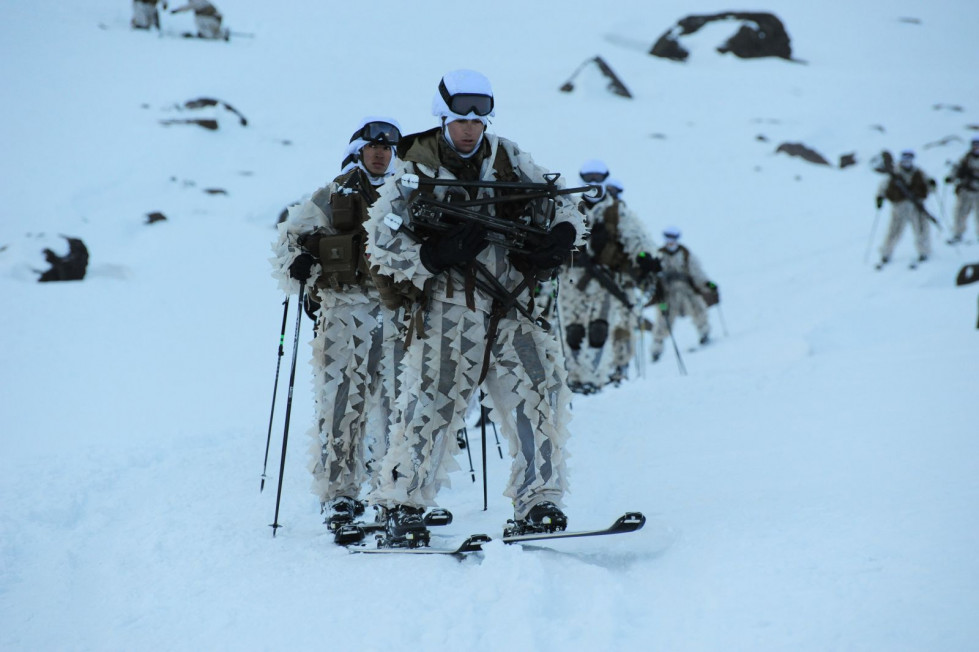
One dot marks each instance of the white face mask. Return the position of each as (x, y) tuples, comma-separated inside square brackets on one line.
[(672, 245)]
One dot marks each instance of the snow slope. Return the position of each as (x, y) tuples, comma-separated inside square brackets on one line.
[(810, 484)]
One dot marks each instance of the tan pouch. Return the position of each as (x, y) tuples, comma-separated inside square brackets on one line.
[(339, 259)]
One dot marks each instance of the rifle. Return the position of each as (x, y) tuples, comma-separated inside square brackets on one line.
[(484, 280), (888, 168), (521, 235), (595, 271)]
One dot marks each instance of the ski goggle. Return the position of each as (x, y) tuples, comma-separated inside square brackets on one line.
[(466, 103), (382, 133), (594, 177)]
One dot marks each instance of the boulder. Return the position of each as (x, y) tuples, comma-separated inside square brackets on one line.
[(800, 150), (612, 81), (758, 34), (70, 267)]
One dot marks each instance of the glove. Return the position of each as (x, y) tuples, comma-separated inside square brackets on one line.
[(648, 264), (711, 285), (932, 183), (554, 248), (301, 266), (598, 238), (460, 244), (949, 179), (880, 202)]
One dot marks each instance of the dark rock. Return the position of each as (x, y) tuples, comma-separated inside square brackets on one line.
[(205, 102), (800, 150), (70, 267), (216, 191), (615, 84), (155, 216), (846, 160), (759, 34), (207, 123)]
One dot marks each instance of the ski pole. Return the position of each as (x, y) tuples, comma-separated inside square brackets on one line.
[(873, 230), (483, 418), (465, 437), (285, 432), (720, 316), (275, 388), (676, 349), (485, 488)]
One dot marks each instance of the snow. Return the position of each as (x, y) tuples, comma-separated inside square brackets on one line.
[(810, 484)]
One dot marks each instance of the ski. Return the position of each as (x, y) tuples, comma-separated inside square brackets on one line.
[(628, 522), (472, 543)]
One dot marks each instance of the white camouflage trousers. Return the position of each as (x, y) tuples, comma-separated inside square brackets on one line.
[(967, 201), (905, 212), (526, 393), (681, 301), (145, 15), (354, 370)]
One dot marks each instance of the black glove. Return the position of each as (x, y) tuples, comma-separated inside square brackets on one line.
[(301, 266), (555, 247), (711, 285), (648, 264), (932, 183), (460, 244), (598, 238), (949, 179), (880, 202)]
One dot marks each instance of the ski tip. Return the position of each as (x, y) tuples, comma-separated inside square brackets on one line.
[(630, 522)]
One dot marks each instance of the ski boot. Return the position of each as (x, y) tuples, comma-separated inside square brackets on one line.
[(542, 517), (341, 511), (404, 528), (437, 516)]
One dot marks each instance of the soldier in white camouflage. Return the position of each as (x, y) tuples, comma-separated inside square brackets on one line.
[(965, 176), (686, 290), (207, 19), (145, 14), (356, 350), (906, 187), (598, 288), (463, 337)]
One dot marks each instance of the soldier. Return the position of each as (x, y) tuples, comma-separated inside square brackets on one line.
[(207, 18), (466, 333), (145, 15), (906, 187), (685, 286), (321, 245), (966, 179), (597, 290)]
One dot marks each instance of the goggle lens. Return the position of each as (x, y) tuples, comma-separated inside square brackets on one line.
[(466, 103)]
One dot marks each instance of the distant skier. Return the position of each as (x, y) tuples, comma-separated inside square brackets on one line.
[(686, 290), (906, 187), (355, 355), (597, 294), (966, 179), (207, 18), (145, 15)]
